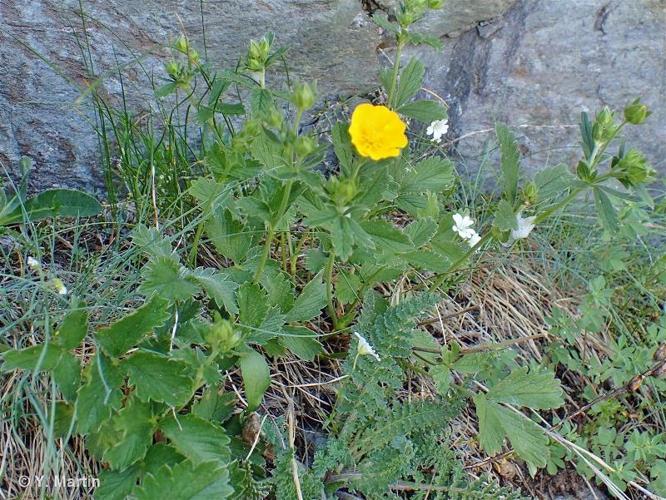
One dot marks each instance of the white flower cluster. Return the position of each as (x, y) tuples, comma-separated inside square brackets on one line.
[(462, 224), (437, 129), (525, 227)]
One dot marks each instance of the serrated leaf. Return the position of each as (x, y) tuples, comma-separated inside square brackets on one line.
[(537, 390), (99, 394), (387, 237), (310, 302), (505, 218), (509, 161), (197, 439), (606, 210), (256, 377), (115, 485), (132, 428), (43, 357), (410, 81), (73, 329), (342, 145), (168, 279), (150, 241), (432, 174), (125, 333), (252, 305), (218, 286), (211, 194), (425, 111), (67, 375), (158, 378), (186, 481), (421, 231), (302, 342), (553, 181), (229, 236)]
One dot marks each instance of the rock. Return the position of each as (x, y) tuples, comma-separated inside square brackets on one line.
[(534, 64), (45, 109), (545, 63)]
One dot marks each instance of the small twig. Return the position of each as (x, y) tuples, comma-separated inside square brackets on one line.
[(292, 436)]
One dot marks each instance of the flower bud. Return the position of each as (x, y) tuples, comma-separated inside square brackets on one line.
[(172, 68), (632, 169), (305, 145), (531, 193), (181, 44), (435, 4), (636, 113), (257, 54), (304, 96), (222, 336), (604, 127)]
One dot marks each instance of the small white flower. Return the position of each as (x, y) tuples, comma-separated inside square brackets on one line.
[(473, 239), (525, 227), (34, 264), (364, 347), (59, 286), (437, 129), (462, 224)]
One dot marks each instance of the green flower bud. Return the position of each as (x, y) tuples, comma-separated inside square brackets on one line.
[(193, 57), (274, 118), (172, 68), (435, 4), (222, 336), (305, 145), (632, 169), (636, 113), (304, 96), (258, 54), (604, 127), (181, 44), (343, 190), (531, 193)]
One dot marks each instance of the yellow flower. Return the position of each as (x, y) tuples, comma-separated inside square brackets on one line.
[(377, 132)]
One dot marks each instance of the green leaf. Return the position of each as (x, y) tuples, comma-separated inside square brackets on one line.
[(212, 195), (411, 79), (56, 203), (253, 305), (99, 395), (302, 342), (167, 278), (421, 231), (43, 357), (381, 20), (131, 431), (505, 219), (158, 378), (256, 377), (73, 329), (342, 145), (509, 161), (197, 439), (553, 181), (310, 302), (536, 389), (387, 237), (67, 375), (432, 174), (342, 237), (491, 432), (228, 236), (229, 109), (166, 89), (118, 338), (606, 210), (425, 111), (186, 481), (150, 241), (218, 286), (116, 485)]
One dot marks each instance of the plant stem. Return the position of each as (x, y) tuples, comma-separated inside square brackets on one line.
[(195, 244), (394, 78), (329, 289)]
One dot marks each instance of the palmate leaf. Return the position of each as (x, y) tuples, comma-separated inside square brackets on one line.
[(310, 302), (159, 378), (410, 81), (218, 286), (536, 389), (186, 481), (118, 338), (129, 434), (99, 395), (509, 161), (424, 111), (432, 174), (166, 277), (197, 439)]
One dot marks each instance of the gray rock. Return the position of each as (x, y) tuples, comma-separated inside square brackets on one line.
[(545, 63), (534, 64)]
